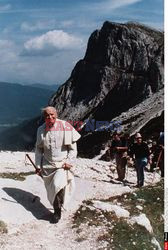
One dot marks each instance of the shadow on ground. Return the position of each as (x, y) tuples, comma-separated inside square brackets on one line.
[(30, 202)]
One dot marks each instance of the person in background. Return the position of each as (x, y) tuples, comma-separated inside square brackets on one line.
[(140, 153), (118, 149), (55, 152), (160, 160), (155, 154)]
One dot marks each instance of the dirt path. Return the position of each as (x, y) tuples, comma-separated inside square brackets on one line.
[(28, 222)]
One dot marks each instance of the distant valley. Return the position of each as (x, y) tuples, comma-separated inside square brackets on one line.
[(52, 87), (22, 102)]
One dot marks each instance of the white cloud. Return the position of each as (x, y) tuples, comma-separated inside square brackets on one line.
[(48, 70), (50, 42), (5, 7), (112, 4), (40, 25)]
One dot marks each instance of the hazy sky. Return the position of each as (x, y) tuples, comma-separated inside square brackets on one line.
[(41, 40)]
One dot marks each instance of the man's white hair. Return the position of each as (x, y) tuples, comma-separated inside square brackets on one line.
[(44, 110)]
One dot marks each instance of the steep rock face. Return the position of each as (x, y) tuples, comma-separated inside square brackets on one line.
[(146, 117), (123, 66)]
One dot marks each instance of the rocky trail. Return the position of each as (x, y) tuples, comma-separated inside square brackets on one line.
[(25, 210)]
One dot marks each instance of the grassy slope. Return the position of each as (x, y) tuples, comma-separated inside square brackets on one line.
[(119, 234)]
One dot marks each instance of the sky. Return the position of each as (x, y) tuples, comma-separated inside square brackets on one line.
[(42, 40)]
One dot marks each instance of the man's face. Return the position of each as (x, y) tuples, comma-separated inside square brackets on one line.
[(116, 137), (139, 140), (50, 117)]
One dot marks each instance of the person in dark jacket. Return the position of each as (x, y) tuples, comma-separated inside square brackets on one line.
[(119, 151), (139, 151)]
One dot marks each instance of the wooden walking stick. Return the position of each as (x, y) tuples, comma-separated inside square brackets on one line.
[(37, 169)]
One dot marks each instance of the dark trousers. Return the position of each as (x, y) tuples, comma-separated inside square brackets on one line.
[(59, 198), (121, 166), (140, 164)]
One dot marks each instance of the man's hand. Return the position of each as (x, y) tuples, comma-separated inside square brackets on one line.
[(130, 161), (67, 166), (38, 171)]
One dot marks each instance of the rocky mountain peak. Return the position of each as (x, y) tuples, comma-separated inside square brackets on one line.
[(123, 65)]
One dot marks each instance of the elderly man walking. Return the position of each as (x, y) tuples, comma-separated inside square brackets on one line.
[(55, 151)]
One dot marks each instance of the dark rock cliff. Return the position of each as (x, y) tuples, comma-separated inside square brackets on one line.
[(123, 65)]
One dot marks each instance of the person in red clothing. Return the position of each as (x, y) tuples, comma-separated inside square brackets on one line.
[(139, 151)]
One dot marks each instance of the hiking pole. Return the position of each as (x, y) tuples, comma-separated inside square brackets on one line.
[(37, 170)]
